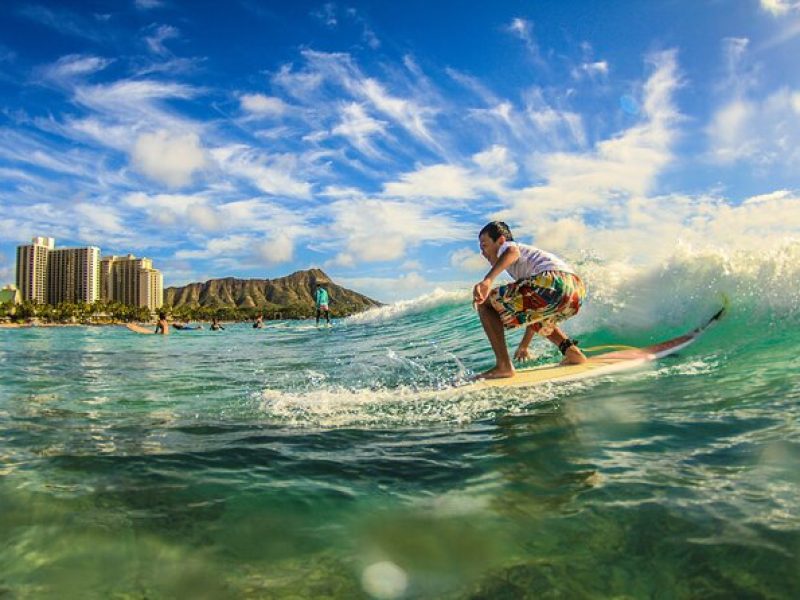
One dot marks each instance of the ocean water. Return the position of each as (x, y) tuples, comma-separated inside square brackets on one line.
[(296, 462)]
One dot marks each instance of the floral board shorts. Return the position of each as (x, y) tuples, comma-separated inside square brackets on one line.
[(541, 301)]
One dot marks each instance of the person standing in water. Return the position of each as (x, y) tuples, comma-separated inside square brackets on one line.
[(162, 327), (258, 322), (215, 326), (546, 290), (322, 300)]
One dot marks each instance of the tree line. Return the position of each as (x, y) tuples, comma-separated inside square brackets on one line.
[(116, 312)]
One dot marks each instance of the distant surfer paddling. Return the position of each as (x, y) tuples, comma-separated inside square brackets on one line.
[(546, 290)]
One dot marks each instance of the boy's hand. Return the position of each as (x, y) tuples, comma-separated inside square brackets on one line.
[(523, 354), (481, 291)]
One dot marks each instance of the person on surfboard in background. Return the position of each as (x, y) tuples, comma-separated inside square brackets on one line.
[(162, 326), (258, 322), (322, 299), (545, 291)]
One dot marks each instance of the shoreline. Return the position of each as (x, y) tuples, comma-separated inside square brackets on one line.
[(124, 323)]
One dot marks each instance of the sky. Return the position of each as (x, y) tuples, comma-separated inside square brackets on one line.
[(373, 139)]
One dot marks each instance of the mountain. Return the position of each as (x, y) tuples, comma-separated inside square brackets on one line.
[(293, 293)]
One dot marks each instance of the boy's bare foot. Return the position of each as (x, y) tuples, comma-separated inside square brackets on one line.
[(496, 373), (573, 356)]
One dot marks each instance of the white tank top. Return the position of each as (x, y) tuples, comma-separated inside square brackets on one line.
[(533, 261)]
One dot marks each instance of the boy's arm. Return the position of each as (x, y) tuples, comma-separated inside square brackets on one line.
[(522, 352), (508, 258)]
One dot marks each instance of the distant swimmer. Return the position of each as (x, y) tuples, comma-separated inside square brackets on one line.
[(322, 300), (258, 322), (162, 327), (215, 326), (545, 291)]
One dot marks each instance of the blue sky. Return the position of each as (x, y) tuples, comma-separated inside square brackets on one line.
[(373, 140)]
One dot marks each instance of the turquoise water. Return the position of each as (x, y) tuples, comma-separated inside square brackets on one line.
[(293, 462)]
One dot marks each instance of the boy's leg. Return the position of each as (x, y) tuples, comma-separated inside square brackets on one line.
[(317, 316), (493, 326), (573, 356), (328, 316)]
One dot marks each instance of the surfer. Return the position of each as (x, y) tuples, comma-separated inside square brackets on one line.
[(258, 322), (322, 299), (545, 291), (215, 326), (162, 326)]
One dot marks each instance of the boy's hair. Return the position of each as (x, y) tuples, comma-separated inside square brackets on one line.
[(162, 315), (495, 229)]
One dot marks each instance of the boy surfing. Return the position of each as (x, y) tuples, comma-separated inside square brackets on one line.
[(546, 290)]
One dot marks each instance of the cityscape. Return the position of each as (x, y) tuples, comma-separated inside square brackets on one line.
[(50, 275)]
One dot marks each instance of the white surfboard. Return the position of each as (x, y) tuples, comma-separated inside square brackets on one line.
[(601, 364)]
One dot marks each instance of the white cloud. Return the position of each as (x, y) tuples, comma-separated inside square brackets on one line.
[(246, 250), (496, 161), (299, 84), (764, 133), (370, 230), (468, 260), (122, 111), (259, 104), (408, 114), (765, 198), (624, 166), (278, 249), (189, 212), (228, 246), (591, 70), (74, 65), (437, 181), (558, 128), (160, 34), (411, 265), (104, 218), (274, 175), (392, 289), (523, 29), (492, 171), (167, 158), (7, 271), (358, 127), (779, 7)]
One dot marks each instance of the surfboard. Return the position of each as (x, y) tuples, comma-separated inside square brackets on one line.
[(139, 329), (600, 364)]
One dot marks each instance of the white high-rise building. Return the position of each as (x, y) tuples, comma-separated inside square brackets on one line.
[(132, 281), (151, 292), (32, 261), (46, 275)]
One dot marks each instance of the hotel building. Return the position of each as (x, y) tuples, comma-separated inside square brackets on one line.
[(73, 276), (32, 269), (130, 280), (46, 275)]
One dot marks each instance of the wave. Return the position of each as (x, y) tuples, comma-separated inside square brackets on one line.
[(677, 292), (436, 299), (398, 376), (691, 284)]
